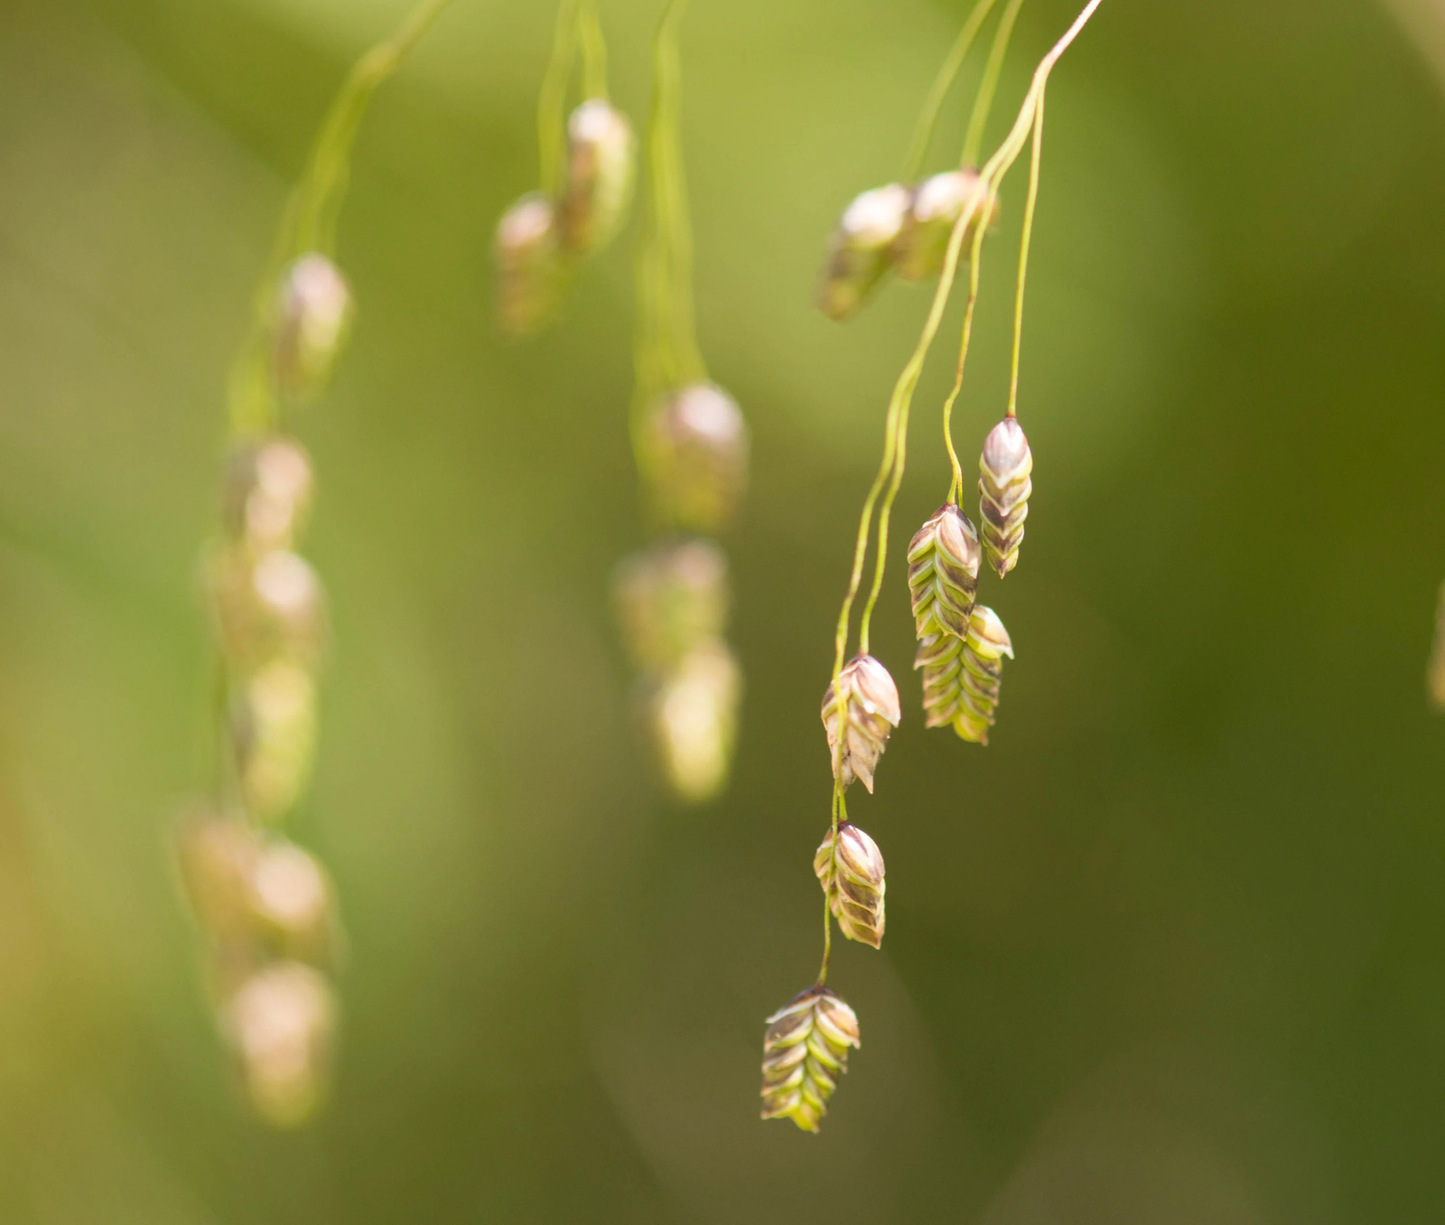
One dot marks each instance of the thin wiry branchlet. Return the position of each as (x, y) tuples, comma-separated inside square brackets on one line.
[(601, 163), (869, 701), (940, 656), (850, 870), (699, 457), (531, 268), (862, 249), (936, 206), (943, 562), (983, 651), (1437, 658), (1004, 486), (805, 1050), (313, 317)]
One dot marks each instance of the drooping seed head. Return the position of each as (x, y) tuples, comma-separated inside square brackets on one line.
[(1437, 658), (531, 267), (280, 1023), (601, 159), (698, 457), (1004, 486), (851, 873), (943, 562), (313, 317), (670, 599), (981, 675), (273, 729), (936, 206), (216, 856), (805, 1050), (862, 249), (867, 699), (693, 714), (267, 492), (293, 902)]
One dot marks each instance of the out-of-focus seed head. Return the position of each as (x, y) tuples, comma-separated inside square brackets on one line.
[(293, 902), (943, 561), (313, 317), (937, 205), (273, 729), (531, 266), (216, 856), (1004, 486), (698, 444), (264, 605), (940, 656), (267, 492), (693, 714), (1437, 658), (670, 599), (805, 1050), (601, 162), (869, 701), (281, 1023), (982, 672), (850, 870), (862, 249)]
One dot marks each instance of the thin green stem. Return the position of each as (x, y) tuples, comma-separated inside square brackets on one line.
[(594, 51), (955, 490), (942, 83), (988, 84), (552, 100), (1034, 162)]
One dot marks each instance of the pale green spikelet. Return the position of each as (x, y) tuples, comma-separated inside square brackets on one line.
[(983, 652), (852, 876), (862, 249), (273, 731), (943, 562), (1004, 486), (601, 166), (805, 1050), (870, 708), (670, 599), (697, 457), (693, 713)]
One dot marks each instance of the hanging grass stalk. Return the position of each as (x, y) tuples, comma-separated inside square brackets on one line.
[(266, 907)]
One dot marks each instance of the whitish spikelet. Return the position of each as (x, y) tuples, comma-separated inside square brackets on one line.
[(281, 1022), (698, 444), (531, 267), (264, 606), (805, 1050), (862, 249), (601, 157), (852, 877), (693, 713), (869, 701), (943, 561), (293, 903), (313, 317), (983, 651), (940, 656), (1437, 658), (216, 856), (1004, 487), (937, 205), (267, 492)]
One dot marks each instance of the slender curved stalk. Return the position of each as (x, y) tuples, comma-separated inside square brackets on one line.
[(552, 100), (594, 51), (988, 83), (942, 83), (1034, 161)]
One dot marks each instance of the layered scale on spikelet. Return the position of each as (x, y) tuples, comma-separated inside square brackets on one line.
[(850, 869), (1004, 486), (943, 562), (805, 1050), (865, 701), (940, 656), (980, 676)]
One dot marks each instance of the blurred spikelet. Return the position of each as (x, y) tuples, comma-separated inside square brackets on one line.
[(869, 702), (805, 1050), (693, 712), (281, 1023), (862, 249), (943, 562), (1437, 658), (601, 165), (313, 317), (670, 598), (531, 267), (983, 651), (698, 457), (1004, 486), (936, 206), (851, 873)]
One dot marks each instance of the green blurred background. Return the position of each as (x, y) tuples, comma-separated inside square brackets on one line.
[(1172, 949)]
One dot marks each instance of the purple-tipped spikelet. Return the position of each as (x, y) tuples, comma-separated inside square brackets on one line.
[(601, 160), (937, 205), (852, 877), (313, 317), (805, 1050), (982, 657), (943, 562), (1004, 486), (869, 703), (862, 249)]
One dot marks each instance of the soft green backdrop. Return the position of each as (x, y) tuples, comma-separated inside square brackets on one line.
[(1172, 950)]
